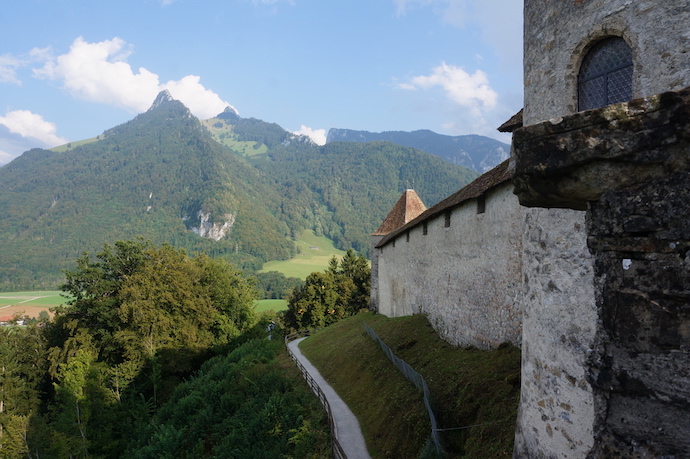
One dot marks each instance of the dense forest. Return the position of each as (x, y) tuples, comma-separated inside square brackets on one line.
[(249, 187), (157, 354), (475, 152)]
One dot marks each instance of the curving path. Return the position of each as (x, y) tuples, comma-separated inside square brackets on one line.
[(349, 433)]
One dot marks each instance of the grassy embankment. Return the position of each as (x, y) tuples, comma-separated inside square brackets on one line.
[(474, 391)]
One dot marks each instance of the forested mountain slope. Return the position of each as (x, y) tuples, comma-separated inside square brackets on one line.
[(345, 189), (231, 187), (156, 176), (475, 152)]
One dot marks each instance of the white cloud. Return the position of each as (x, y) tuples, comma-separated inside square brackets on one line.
[(8, 69), (28, 124), (471, 91), (9, 64), (99, 72), (203, 102), (318, 136)]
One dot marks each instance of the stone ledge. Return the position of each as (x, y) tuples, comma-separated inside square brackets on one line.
[(567, 162)]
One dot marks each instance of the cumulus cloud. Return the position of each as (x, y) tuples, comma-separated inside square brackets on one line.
[(99, 72), (471, 91), (465, 100), (28, 124), (203, 102), (318, 136)]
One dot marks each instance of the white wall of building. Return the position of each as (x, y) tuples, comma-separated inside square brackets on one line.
[(465, 278)]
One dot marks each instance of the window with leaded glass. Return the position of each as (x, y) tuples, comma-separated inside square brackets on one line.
[(606, 74)]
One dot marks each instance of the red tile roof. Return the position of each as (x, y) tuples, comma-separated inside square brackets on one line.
[(408, 207)]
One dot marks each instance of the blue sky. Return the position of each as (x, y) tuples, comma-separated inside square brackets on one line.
[(70, 69)]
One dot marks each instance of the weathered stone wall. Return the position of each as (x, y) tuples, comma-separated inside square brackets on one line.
[(641, 368), (556, 412), (629, 164), (558, 33), (466, 278)]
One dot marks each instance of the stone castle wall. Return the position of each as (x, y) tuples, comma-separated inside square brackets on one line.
[(464, 277), (511, 274), (565, 336), (628, 164), (559, 328), (557, 34), (593, 260)]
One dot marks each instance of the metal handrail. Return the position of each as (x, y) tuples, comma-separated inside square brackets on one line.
[(337, 448)]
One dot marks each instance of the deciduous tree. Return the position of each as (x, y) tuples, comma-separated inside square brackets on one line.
[(340, 291)]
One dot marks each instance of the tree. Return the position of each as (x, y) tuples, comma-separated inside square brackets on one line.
[(325, 298), (135, 298), (141, 318), (22, 365)]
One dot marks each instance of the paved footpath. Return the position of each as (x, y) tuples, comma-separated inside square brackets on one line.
[(347, 427)]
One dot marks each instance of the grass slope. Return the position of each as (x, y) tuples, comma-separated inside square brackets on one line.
[(224, 135), (314, 252), (73, 145), (476, 391)]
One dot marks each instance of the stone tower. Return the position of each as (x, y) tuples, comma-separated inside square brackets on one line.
[(606, 137), (559, 33)]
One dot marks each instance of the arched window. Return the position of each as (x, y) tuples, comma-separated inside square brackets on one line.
[(606, 74)]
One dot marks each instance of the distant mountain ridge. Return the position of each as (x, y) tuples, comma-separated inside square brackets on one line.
[(475, 152), (235, 188)]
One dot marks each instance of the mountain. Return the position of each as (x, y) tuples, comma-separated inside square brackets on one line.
[(236, 188), (475, 152)]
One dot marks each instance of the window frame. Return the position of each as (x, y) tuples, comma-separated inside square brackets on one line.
[(597, 47)]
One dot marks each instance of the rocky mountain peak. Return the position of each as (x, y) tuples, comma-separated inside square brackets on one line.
[(163, 97), (230, 114)]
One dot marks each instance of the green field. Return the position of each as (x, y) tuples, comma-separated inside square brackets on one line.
[(271, 305), (314, 254), (36, 299)]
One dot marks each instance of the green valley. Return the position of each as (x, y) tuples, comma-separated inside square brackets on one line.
[(242, 190)]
